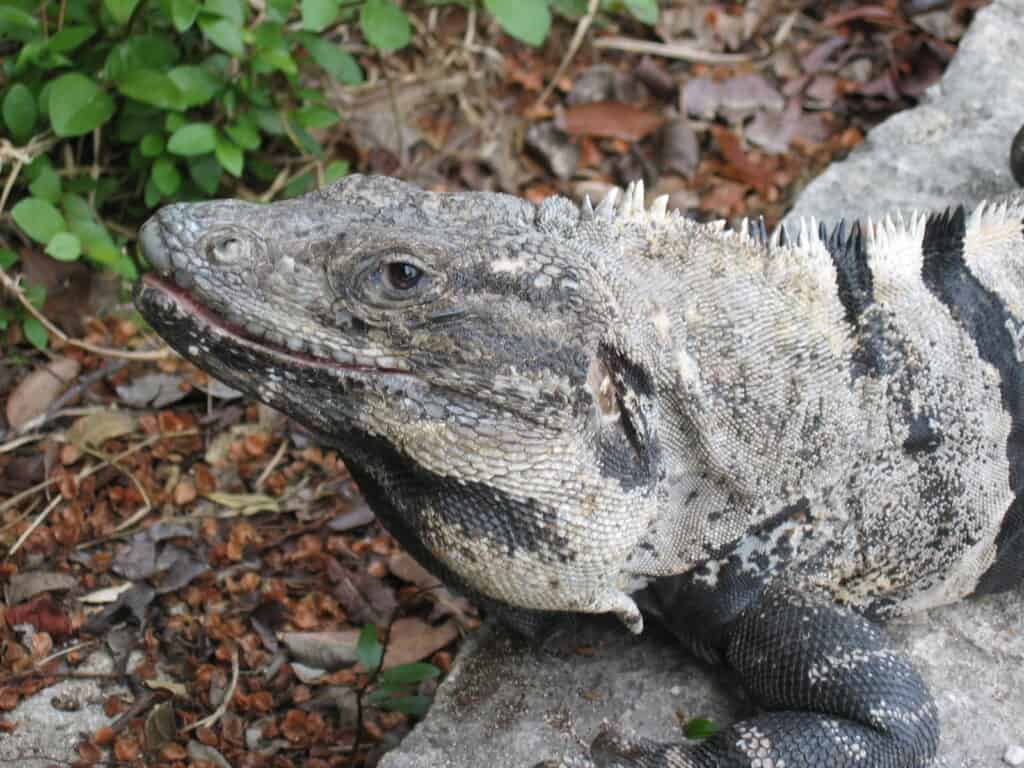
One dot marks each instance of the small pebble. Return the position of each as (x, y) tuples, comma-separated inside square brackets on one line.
[(1014, 755)]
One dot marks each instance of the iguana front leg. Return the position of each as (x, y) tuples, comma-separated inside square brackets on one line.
[(835, 692)]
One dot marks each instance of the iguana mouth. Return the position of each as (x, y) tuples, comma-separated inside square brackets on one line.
[(231, 332)]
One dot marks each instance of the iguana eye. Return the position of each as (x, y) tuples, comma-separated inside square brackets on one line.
[(401, 276), (226, 250)]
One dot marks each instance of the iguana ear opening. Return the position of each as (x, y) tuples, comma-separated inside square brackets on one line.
[(625, 418)]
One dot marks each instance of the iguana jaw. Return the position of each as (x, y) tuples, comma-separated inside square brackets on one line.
[(153, 292)]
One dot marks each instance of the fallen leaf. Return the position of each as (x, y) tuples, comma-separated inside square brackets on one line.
[(153, 390), (554, 147), (680, 150), (159, 684), (322, 650), (43, 614), (105, 595), (37, 391), (403, 566), (26, 585), (610, 119), (94, 429), (413, 639), (245, 503)]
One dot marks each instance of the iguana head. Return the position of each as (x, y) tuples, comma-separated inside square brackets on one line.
[(472, 355)]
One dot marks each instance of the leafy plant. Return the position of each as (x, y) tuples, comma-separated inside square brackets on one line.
[(395, 688), (699, 728)]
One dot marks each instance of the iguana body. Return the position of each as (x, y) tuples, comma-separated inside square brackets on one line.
[(555, 407)]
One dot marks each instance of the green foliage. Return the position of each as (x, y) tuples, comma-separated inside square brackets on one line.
[(155, 101), (526, 20), (395, 688), (699, 728)]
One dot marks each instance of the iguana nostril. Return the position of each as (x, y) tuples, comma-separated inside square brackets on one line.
[(153, 247)]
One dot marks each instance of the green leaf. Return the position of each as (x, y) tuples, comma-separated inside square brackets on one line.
[(19, 111), (69, 38), (228, 9), (78, 105), (151, 87), (64, 246), (5, 317), (316, 117), (47, 185), (409, 674), (205, 172), (279, 59), (229, 156), (166, 176), (337, 62), (16, 22), (8, 258), (192, 139), (152, 144), (151, 193), (244, 133), (183, 14), (526, 20), (317, 15), (414, 706), (149, 51), (645, 11), (35, 333), (385, 26), (369, 651), (121, 10), (197, 85), (39, 219), (699, 728), (335, 171), (35, 294), (173, 121), (570, 9), (223, 33)]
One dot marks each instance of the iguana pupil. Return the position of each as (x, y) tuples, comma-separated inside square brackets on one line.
[(402, 276)]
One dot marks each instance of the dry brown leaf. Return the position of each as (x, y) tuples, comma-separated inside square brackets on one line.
[(39, 389), (413, 639), (610, 119), (94, 429)]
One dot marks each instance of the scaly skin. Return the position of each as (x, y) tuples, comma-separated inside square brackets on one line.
[(554, 406)]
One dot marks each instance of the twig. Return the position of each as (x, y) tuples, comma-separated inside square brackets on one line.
[(35, 524), (229, 694), (13, 286), (64, 652), (4, 506), (677, 50), (17, 442), (278, 455), (574, 46), (147, 504), (11, 178)]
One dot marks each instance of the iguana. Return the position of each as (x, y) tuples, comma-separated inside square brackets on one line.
[(775, 442)]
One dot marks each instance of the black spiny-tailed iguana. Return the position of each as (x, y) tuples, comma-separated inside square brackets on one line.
[(556, 406)]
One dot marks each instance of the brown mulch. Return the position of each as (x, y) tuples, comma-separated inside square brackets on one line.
[(149, 511)]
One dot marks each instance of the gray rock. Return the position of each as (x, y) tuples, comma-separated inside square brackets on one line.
[(51, 723), (506, 704)]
